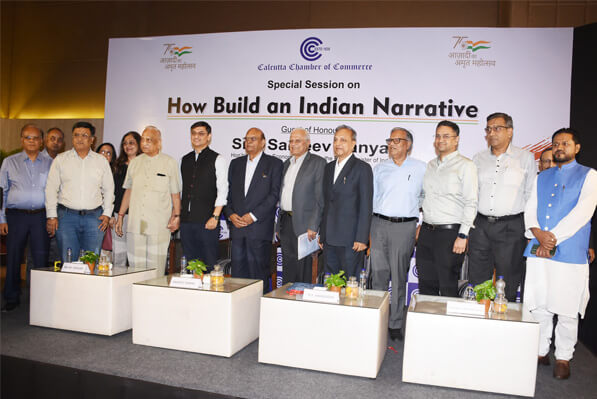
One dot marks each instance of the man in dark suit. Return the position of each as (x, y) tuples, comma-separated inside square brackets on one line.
[(253, 192), (348, 198), (301, 205)]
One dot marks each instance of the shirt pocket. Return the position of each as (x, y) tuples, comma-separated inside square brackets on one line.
[(160, 183), (513, 177)]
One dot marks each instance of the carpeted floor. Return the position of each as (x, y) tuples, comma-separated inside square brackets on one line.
[(241, 375)]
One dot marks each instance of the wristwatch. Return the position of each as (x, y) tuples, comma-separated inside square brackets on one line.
[(215, 216), (462, 235)]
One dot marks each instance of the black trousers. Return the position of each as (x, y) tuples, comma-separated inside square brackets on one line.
[(343, 258), (439, 267), (501, 245), (251, 259), (22, 226), (293, 270), (200, 243)]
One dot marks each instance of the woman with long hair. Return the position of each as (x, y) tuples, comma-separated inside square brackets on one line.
[(130, 147)]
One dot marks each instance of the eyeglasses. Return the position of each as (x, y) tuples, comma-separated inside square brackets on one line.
[(252, 139), (81, 135), (443, 136), (32, 137), (396, 140), (199, 134), (105, 152), (496, 129)]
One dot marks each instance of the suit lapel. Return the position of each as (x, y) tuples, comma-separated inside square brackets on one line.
[(243, 173), (258, 173), (302, 170), (345, 170)]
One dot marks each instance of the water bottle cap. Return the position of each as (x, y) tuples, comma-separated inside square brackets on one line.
[(469, 285), (362, 270), (500, 277)]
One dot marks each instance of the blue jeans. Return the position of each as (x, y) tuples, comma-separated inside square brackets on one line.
[(78, 230)]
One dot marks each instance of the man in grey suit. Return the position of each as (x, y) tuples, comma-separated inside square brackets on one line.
[(301, 204), (348, 196)]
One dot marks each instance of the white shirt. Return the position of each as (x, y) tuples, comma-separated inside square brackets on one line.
[(221, 165), (505, 181), (339, 166), (450, 189), (250, 171), (80, 183), (289, 180)]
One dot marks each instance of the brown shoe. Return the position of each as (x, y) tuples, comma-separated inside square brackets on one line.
[(561, 370), (543, 360)]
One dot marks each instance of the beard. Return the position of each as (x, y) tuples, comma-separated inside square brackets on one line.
[(562, 157)]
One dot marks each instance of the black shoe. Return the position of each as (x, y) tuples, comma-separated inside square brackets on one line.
[(396, 334), (9, 306)]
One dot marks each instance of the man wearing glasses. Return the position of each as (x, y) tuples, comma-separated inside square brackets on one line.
[(253, 192), (449, 209), (506, 174), (22, 179), (204, 191), (546, 159), (301, 205), (79, 195), (397, 185)]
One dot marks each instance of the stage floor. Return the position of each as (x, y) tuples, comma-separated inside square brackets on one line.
[(241, 375)]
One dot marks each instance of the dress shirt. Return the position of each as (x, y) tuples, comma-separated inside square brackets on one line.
[(397, 189), (80, 183), (339, 166), (575, 219), (450, 189), (250, 170), (221, 165), (288, 182), (152, 181), (23, 182), (505, 181)]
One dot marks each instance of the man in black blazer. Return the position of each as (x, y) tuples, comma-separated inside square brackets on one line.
[(253, 192), (348, 202), (301, 205)]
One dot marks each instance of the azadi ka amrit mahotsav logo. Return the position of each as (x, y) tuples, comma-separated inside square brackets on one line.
[(474, 46)]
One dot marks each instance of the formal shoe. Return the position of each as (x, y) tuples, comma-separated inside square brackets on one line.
[(543, 360), (9, 306), (396, 334), (561, 370)]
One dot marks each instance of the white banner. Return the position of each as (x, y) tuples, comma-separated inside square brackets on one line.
[(370, 79)]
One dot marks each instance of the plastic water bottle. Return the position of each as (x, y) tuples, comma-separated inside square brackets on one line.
[(183, 265), (69, 255), (362, 283), (81, 253), (325, 277), (469, 293), (500, 303)]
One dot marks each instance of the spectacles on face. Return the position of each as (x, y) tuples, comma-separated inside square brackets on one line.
[(295, 141), (201, 134), (251, 139), (496, 129), (32, 137), (443, 136), (81, 135), (396, 140), (106, 152)]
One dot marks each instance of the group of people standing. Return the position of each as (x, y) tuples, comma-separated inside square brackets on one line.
[(495, 208)]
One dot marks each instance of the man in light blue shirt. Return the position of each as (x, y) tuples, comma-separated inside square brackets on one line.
[(23, 215), (397, 186)]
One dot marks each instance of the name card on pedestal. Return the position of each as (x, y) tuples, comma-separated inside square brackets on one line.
[(182, 282), (313, 295), (468, 308), (75, 267)]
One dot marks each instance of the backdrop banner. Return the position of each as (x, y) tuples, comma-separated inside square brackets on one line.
[(370, 79)]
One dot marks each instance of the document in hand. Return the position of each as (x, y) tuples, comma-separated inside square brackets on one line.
[(306, 247)]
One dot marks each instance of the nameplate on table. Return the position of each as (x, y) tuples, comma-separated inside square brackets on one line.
[(182, 282), (313, 295), (468, 308), (75, 267)]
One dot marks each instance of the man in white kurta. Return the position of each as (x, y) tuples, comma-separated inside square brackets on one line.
[(152, 186), (557, 220)]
